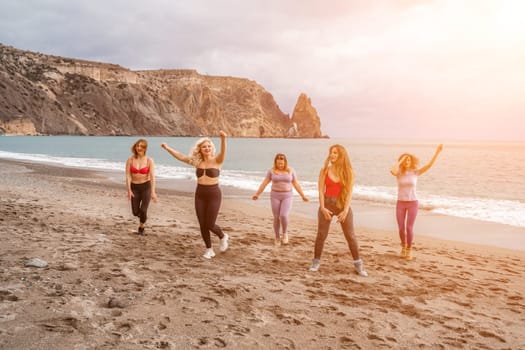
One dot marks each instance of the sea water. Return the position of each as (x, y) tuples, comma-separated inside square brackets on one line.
[(482, 181)]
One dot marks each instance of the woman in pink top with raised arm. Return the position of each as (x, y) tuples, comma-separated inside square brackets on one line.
[(406, 170), (283, 178)]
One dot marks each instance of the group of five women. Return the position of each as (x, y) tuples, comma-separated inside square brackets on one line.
[(335, 185)]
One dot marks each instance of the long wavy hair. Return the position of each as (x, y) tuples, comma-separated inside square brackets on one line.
[(134, 147), (343, 168), (281, 156), (413, 164), (195, 155)]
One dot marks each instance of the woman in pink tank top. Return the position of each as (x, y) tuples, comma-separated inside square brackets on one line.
[(406, 171)]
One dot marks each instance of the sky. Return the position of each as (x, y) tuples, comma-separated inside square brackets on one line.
[(395, 69)]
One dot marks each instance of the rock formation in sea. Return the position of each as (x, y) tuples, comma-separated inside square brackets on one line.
[(50, 95), (305, 118)]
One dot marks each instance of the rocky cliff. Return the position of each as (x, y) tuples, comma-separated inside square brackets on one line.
[(43, 94)]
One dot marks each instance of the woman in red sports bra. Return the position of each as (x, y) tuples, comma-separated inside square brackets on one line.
[(140, 181), (208, 195), (336, 181)]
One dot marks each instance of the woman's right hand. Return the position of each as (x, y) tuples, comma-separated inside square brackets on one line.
[(326, 213), (164, 145), (255, 197), (130, 194)]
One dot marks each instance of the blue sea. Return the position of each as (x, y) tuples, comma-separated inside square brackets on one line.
[(482, 181)]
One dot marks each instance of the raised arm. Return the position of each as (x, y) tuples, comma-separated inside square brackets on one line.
[(175, 154), (222, 154), (429, 165)]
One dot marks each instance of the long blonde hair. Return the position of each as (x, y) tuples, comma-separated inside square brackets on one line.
[(195, 155), (343, 168)]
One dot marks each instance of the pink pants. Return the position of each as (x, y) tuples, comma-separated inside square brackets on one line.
[(406, 212), (281, 205)]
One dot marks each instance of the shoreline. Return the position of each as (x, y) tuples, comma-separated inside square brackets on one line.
[(366, 215), (105, 287)]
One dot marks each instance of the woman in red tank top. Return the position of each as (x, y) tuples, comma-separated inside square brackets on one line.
[(336, 181), (140, 181)]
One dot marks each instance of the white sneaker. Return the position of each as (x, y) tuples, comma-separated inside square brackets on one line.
[(209, 253), (224, 243), (358, 267), (315, 265)]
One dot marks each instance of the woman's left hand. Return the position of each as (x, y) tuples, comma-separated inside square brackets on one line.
[(305, 199), (341, 217), (222, 134), (154, 197)]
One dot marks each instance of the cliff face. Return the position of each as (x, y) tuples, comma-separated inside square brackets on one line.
[(42, 94)]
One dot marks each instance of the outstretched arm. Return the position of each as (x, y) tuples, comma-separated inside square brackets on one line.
[(429, 165), (299, 190), (265, 182), (175, 154), (222, 154)]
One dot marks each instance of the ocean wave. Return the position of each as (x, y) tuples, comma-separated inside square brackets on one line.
[(492, 210)]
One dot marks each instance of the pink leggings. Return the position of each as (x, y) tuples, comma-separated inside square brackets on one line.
[(281, 205), (406, 211)]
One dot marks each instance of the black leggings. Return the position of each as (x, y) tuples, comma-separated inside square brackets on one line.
[(207, 203), (323, 225), (140, 200)]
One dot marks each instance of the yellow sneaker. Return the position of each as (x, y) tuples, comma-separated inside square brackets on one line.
[(403, 252), (408, 255)]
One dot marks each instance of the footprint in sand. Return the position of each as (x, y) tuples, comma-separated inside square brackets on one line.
[(210, 300), (217, 342), (238, 330)]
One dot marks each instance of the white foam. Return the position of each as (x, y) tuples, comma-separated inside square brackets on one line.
[(499, 211)]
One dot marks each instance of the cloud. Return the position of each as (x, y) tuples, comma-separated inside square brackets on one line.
[(372, 69)]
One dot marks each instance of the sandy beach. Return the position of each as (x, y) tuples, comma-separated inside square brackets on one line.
[(105, 287)]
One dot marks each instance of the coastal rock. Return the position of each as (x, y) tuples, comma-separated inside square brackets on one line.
[(51, 95), (305, 119)]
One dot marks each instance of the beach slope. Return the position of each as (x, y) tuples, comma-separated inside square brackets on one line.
[(105, 287)]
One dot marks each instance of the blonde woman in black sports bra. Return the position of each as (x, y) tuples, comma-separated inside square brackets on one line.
[(208, 193)]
